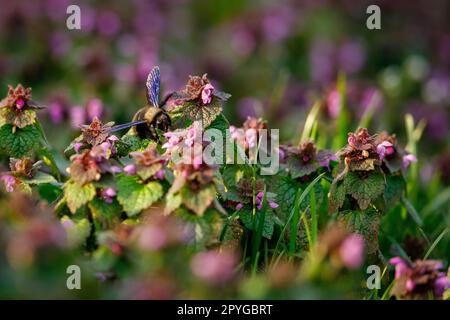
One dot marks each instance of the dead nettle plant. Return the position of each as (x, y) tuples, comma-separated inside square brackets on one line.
[(114, 181)]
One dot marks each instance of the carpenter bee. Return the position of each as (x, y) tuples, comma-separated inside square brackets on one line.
[(152, 117)]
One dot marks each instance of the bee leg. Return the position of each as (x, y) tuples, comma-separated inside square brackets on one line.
[(153, 134)]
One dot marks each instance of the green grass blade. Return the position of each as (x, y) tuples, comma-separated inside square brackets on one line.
[(435, 242), (310, 122), (298, 201), (438, 201)]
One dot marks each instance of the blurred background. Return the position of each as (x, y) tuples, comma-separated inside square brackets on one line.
[(275, 58)]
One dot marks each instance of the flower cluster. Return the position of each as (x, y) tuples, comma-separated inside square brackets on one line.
[(419, 279), (17, 108), (304, 159)]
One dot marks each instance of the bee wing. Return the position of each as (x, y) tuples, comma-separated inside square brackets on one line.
[(221, 95), (153, 84), (126, 125)]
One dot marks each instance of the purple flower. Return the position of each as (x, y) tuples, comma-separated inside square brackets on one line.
[(207, 94), (20, 103), (259, 201), (77, 146), (108, 23), (108, 194), (9, 181), (130, 170), (352, 251), (94, 109), (401, 268), (239, 206), (441, 284), (408, 159), (385, 148), (56, 112), (160, 174), (334, 104), (115, 169), (77, 116)]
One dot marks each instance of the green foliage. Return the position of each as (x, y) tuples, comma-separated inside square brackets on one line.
[(246, 216), (23, 141), (365, 223), (198, 200), (364, 189), (135, 196), (78, 195)]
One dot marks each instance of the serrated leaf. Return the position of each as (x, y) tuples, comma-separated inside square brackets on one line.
[(299, 169), (173, 201), (246, 216), (365, 223), (286, 189), (336, 196), (395, 187), (136, 196), (20, 143), (198, 200), (208, 228), (78, 195), (232, 174), (364, 189), (205, 114), (103, 211)]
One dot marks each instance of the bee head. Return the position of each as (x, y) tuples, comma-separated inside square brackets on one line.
[(162, 121)]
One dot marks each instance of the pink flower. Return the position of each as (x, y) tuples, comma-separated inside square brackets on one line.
[(352, 251), (401, 268), (130, 170), (334, 103), (160, 174), (108, 194), (20, 103), (77, 146), (153, 238), (259, 201), (9, 181), (385, 148), (94, 109), (207, 94), (214, 267), (408, 159), (77, 116), (115, 169), (239, 206), (190, 136), (441, 284)]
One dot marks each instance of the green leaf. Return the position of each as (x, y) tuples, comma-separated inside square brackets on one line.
[(104, 211), (365, 223), (246, 216), (173, 201), (364, 189), (205, 114), (135, 196), (208, 228), (336, 196), (395, 188), (20, 143), (300, 169), (286, 189), (232, 174), (78, 195), (40, 178), (198, 200)]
